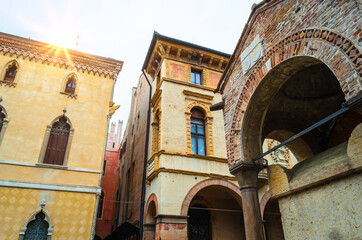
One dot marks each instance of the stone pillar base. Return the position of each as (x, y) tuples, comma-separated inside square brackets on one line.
[(171, 227)]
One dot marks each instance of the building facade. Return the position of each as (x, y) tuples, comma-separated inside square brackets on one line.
[(55, 106), (298, 63), (108, 202)]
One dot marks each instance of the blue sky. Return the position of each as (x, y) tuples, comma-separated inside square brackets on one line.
[(122, 29)]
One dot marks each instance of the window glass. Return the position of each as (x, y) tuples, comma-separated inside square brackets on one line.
[(200, 129), (192, 77), (201, 145), (193, 144), (197, 121), (193, 128), (198, 78)]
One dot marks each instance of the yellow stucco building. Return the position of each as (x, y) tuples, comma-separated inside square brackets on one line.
[(55, 106)]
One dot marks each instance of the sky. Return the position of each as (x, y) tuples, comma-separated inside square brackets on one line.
[(123, 29)]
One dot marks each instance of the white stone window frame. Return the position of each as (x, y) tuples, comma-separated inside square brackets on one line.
[(5, 123), (47, 218), (46, 140)]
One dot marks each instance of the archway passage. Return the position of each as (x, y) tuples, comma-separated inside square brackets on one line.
[(215, 213), (150, 221), (293, 96), (272, 221)]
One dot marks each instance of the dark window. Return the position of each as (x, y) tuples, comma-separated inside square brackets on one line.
[(199, 223), (11, 73), (100, 206), (2, 117), (70, 86), (196, 76), (37, 229), (104, 167), (57, 143), (197, 132)]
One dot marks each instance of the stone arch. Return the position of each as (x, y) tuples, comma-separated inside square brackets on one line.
[(47, 219), (202, 106), (208, 127), (151, 198), (263, 202), (205, 183), (344, 61)]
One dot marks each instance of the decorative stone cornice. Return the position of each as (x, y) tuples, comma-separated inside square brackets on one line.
[(47, 53), (165, 47)]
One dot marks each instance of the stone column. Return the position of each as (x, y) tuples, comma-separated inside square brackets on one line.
[(247, 175)]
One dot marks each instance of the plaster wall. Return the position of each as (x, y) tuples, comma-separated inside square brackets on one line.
[(331, 211), (70, 213), (36, 101), (173, 119)]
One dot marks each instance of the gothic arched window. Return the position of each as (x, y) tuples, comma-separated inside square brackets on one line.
[(37, 229), (197, 132), (10, 72), (70, 85), (3, 122), (58, 141)]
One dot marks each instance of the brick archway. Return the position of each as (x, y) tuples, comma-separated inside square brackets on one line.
[(205, 183), (264, 200), (337, 52), (151, 198)]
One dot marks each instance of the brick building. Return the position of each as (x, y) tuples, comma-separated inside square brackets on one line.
[(296, 63), (108, 204)]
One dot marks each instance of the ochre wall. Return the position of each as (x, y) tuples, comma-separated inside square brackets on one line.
[(36, 101), (71, 213)]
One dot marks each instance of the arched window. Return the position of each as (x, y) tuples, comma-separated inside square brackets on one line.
[(100, 206), (10, 72), (70, 85), (197, 132), (3, 122), (38, 227), (58, 141)]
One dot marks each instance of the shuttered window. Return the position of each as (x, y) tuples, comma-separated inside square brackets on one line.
[(57, 143)]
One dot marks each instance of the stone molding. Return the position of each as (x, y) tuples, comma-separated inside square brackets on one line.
[(47, 186)]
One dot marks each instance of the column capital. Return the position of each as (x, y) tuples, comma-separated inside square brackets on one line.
[(247, 175)]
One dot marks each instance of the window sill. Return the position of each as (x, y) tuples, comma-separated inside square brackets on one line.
[(70, 95), (45, 165), (7, 83)]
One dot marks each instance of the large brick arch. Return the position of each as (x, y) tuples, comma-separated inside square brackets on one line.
[(151, 198), (337, 52), (206, 183)]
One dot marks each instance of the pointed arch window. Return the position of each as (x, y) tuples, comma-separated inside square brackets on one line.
[(38, 227), (57, 141), (11, 72), (9, 75), (198, 132), (70, 85), (3, 122)]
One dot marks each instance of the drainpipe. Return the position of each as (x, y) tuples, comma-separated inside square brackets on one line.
[(143, 190), (101, 173)]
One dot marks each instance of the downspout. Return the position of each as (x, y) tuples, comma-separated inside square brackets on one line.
[(143, 190), (101, 170)]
